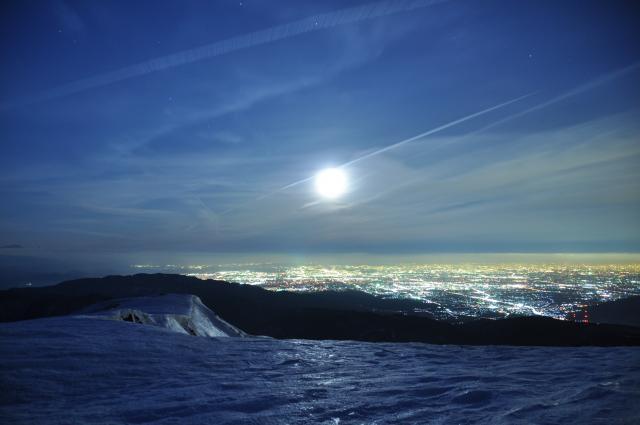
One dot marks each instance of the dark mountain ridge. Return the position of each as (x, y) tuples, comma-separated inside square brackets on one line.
[(625, 311), (344, 315)]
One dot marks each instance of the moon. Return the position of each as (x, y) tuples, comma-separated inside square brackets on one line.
[(331, 183)]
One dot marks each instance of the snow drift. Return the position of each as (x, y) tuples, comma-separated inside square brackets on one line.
[(180, 313), (97, 368), (69, 370)]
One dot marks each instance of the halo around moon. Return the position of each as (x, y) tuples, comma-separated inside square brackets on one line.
[(331, 183)]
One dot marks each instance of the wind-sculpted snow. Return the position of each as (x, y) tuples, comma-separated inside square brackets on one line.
[(70, 370), (178, 312)]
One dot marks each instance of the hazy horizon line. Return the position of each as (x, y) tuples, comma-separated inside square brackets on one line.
[(427, 258)]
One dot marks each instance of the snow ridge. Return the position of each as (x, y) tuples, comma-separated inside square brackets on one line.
[(181, 313)]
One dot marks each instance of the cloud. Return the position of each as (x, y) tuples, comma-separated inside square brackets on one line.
[(611, 76), (269, 35), (577, 183), (153, 163), (405, 141)]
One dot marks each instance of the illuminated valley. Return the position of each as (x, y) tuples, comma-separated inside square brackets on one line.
[(453, 291)]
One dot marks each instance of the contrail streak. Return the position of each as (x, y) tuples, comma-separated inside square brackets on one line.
[(576, 91), (269, 35), (436, 130), (573, 92), (405, 141)]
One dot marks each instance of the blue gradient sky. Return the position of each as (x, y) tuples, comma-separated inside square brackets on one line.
[(178, 160)]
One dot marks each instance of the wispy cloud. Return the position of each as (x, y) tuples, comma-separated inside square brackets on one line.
[(269, 35), (403, 142)]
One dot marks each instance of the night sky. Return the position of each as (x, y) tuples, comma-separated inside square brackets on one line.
[(122, 136)]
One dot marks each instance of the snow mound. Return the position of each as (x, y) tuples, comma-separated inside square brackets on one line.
[(180, 313)]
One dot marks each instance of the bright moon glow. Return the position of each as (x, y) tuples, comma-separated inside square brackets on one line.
[(331, 182)]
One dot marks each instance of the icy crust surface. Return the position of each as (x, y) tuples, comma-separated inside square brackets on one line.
[(65, 370), (180, 313)]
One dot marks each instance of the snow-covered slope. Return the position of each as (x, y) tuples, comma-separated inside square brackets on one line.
[(70, 370), (180, 313)]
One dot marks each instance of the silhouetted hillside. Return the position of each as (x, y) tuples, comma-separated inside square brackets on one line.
[(323, 315), (620, 312), (225, 298)]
